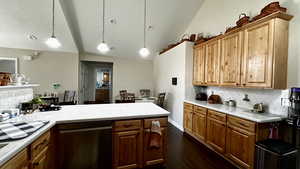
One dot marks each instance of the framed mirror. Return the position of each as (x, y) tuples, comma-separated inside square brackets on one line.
[(9, 65)]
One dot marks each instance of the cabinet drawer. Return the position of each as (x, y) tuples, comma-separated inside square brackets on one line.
[(200, 110), (188, 106), (163, 122), (241, 123), (127, 125), (217, 115), (39, 145)]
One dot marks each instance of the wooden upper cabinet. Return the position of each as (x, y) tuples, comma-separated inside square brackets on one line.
[(199, 65), (212, 63), (258, 55), (231, 58)]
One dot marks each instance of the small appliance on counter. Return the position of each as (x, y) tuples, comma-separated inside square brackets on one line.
[(201, 96), (258, 108), (51, 107), (231, 103), (214, 99)]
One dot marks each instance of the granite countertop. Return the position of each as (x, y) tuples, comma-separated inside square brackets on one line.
[(79, 113), (238, 112)]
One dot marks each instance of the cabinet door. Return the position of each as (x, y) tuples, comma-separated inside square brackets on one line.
[(199, 65), (40, 162), (188, 120), (212, 65), (216, 135), (199, 125), (153, 156), (128, 149), (258, 55), (240, 147), (231, 56), (20, 161)]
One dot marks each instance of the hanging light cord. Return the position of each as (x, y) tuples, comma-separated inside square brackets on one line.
[(145, 13), (53, 4), (103, 15)]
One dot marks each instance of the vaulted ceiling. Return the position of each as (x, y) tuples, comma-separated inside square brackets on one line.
[(79, 24)]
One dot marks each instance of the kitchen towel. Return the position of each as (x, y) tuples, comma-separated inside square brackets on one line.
[(17, 130), (155, 135)]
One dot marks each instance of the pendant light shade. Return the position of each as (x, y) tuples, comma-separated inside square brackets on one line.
[(103, 47), (53, 42), (144, 52)]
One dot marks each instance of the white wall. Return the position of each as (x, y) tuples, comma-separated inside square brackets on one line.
[(47, 68), (129, 74), (174, 63), (215, 16)]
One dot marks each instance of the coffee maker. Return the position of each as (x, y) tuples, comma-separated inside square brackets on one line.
[(293, 119)]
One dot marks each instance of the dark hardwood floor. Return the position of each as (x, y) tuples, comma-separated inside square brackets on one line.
[(186, 153)]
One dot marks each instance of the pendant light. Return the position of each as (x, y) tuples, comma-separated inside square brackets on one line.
[(144, 52), (53, 42), (103, 47)]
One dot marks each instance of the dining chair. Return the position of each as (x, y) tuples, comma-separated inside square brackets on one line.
[(123, 94), (69, 98), (161, 99), (145, 93)]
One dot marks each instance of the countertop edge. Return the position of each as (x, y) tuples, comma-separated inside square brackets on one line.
[(273, 119)]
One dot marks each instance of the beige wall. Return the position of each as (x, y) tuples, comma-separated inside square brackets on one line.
[(47, 68), (215, 15), (129, 74)]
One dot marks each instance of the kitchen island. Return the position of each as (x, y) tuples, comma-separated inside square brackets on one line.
[(140, 114)]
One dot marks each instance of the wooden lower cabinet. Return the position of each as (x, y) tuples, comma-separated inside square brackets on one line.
[(240, 147), (20, 161), (188, 117), (216, 135), (131, 144), (41, 161), (154, 156), (231, 137), (128, 149), (199, 125)]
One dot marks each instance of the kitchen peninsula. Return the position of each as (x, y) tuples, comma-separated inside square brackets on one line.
[(130, 124)]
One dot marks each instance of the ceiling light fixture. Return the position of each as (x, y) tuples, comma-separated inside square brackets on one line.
[(144, 52), (103, 47), (53, 42)]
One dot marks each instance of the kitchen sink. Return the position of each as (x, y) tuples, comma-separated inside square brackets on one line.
[(2, 145)]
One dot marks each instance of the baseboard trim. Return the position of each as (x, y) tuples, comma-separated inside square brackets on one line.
[(175, 124)]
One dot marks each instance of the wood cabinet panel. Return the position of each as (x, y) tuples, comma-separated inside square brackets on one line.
[(188, 120), (199, 125), (231, 57), (240, 146), (20, 161), (258, 55), (199, 65), (40, 144), (128, 150), (127, 125), (41, 160), (217, 115), (154, 156), (216, 134), (241, 123), (212, 63)]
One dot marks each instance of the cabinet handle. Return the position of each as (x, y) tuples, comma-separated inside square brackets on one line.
[(36, 164), (127, 125), (237, 84), (244, 84)]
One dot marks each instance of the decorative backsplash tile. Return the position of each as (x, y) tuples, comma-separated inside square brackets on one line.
[(270, 98), (11, 98)]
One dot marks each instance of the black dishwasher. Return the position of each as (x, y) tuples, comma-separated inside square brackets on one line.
[(85, 145)]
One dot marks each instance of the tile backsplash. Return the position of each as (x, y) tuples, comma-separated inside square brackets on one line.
[(11, 98), (272, 99)]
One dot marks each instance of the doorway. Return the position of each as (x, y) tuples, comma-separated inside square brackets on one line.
[(96, 82)]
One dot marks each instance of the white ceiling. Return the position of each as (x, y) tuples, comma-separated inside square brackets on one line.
[(20, 18), (78, 25)]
